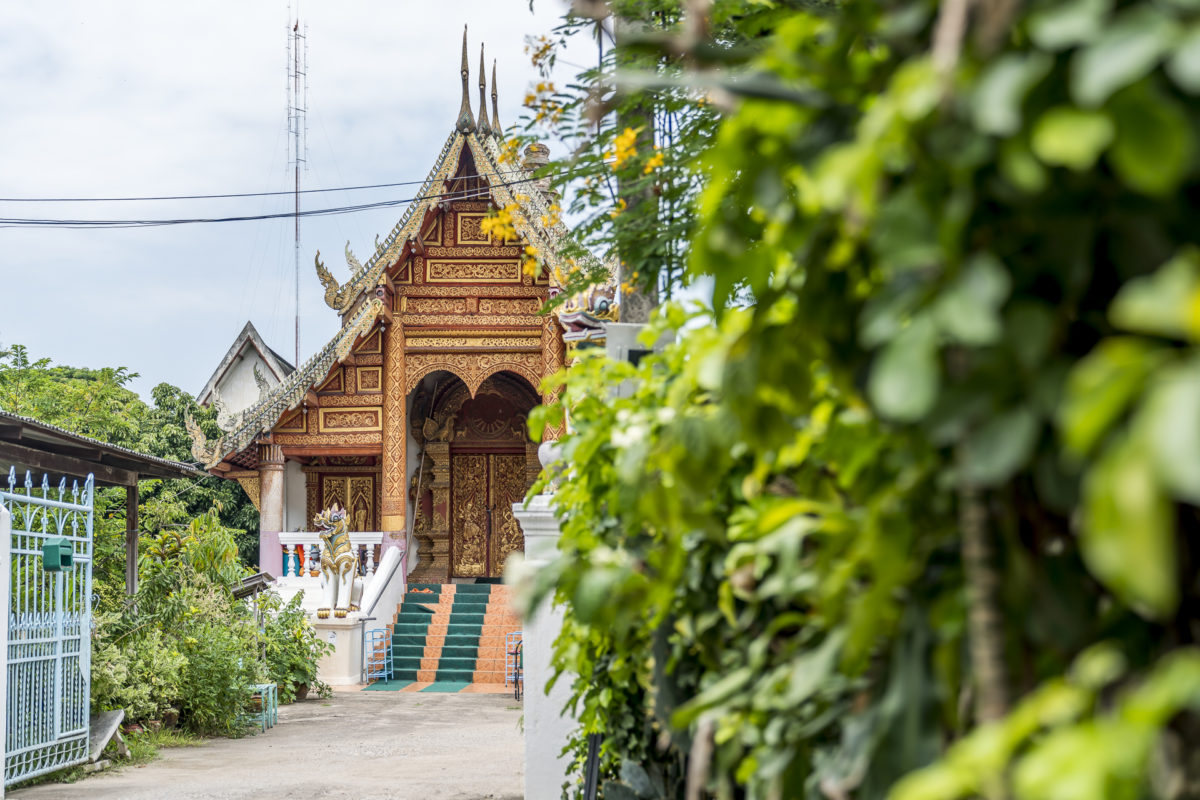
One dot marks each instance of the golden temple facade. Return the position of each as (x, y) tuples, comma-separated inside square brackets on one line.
[(413, 417)]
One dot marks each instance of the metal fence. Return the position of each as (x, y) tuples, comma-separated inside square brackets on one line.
[(48, 554)]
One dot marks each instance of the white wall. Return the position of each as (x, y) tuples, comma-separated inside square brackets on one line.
[(237, 386), (295, 503)]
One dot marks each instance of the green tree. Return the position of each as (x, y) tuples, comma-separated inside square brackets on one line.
[(918, 493)]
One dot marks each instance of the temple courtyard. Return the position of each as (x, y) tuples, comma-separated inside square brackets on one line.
[(360, 745)]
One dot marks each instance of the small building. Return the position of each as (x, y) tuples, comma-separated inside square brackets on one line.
[(413, 416)]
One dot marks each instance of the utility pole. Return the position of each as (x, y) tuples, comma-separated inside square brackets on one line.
[(297, 106)]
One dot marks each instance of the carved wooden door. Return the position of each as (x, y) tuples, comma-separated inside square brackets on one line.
[(483, 487), (355, 493)]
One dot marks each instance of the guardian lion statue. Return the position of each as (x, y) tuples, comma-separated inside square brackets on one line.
[(340, 582)]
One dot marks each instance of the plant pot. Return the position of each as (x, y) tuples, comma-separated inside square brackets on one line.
[(314, 573), (301, 690), (132, 727), (170, 718)]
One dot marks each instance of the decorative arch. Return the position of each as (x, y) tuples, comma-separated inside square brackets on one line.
[(472, 368)]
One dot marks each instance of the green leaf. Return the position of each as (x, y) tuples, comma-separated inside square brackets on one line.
[(1128, 537), (968, 311), (1164, 303), (1184, 64), (905, 376), (1124, 53), (1171, 415), (1072, 138), (1002, 89), (1153, 148), (715, 694), (1100, 388), (1002, 446), (1068, 23)]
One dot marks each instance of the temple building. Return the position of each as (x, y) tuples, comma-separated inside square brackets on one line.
[(413, 416)]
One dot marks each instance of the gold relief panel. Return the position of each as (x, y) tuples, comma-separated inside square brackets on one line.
[(292, 422), (351, 420), (334, 383), (481, 321), (466, 271), (507, 487), (482, 342), (470, 229), (493, 291), (490, 251), (469, 492), (433, 234), (371, 344), (433, 305), (370, 379), (510, 305), (471, 205)]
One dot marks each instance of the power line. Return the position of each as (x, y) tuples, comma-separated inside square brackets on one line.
[(93, 224), (229, 195)]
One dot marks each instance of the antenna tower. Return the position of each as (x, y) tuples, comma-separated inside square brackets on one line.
[(297, 106)]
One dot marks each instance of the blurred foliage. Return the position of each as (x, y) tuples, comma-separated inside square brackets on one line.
[(956, 283)]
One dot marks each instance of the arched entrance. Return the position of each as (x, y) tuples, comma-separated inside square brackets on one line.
[(484, 443)]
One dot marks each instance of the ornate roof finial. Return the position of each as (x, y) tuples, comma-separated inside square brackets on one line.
[(482, 126), (496, 129), (465, 122)]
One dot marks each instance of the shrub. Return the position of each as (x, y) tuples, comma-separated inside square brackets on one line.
[(139, 672), (291, 648)]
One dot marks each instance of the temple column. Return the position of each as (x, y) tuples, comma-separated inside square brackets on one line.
[(270, 519), (395, 436)]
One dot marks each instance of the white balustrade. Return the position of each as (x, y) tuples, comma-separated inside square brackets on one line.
[(363, 542)]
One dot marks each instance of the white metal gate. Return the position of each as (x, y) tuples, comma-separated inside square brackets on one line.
[(49, 558)]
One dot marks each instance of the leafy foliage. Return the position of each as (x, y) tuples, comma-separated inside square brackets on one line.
[(955, 279)]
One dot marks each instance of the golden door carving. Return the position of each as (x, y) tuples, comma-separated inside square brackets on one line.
[(355, 493), (483, 528), (507, 487)]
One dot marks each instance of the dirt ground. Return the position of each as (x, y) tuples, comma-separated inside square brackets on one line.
[(360, 745)]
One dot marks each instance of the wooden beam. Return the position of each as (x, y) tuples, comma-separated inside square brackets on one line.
[(131, 539), (66, 465)]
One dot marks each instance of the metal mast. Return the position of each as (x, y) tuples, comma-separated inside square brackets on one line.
[(297, 105)]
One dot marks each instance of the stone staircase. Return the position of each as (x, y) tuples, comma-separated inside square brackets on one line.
[(452, 633)]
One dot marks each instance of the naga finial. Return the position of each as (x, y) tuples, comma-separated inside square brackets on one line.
[(335, 294), (481, 126), (465, 124), (260, 380), (207, 453), (496, 129), (353, 263)]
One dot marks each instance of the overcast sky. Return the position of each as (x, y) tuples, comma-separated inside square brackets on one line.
[(164, 98)]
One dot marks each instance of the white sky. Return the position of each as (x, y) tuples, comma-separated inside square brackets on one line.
[(152, 98)]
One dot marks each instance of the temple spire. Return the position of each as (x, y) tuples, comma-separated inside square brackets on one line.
[(465, 122), (482, 126), (496, 129)]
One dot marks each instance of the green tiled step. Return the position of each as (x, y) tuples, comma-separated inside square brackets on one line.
[(469, 588)]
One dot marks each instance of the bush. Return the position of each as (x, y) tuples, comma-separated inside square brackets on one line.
[(291, 648), (139, 673)]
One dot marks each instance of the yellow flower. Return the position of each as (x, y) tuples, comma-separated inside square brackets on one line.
[(654, 162), (621, 206), (624, 147), (499, 224)]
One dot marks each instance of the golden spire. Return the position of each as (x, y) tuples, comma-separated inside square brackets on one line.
[(482, 126), (496, 129), (465, 123)]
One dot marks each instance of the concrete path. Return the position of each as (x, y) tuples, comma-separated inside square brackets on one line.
[(357, 746)]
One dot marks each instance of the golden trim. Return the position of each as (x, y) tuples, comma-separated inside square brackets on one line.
[(322, 427)]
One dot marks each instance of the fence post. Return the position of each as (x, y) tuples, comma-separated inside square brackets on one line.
[(5, 600), (548, 726)]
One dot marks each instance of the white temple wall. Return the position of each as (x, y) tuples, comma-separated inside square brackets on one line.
[(237, 386), (294, 499)]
